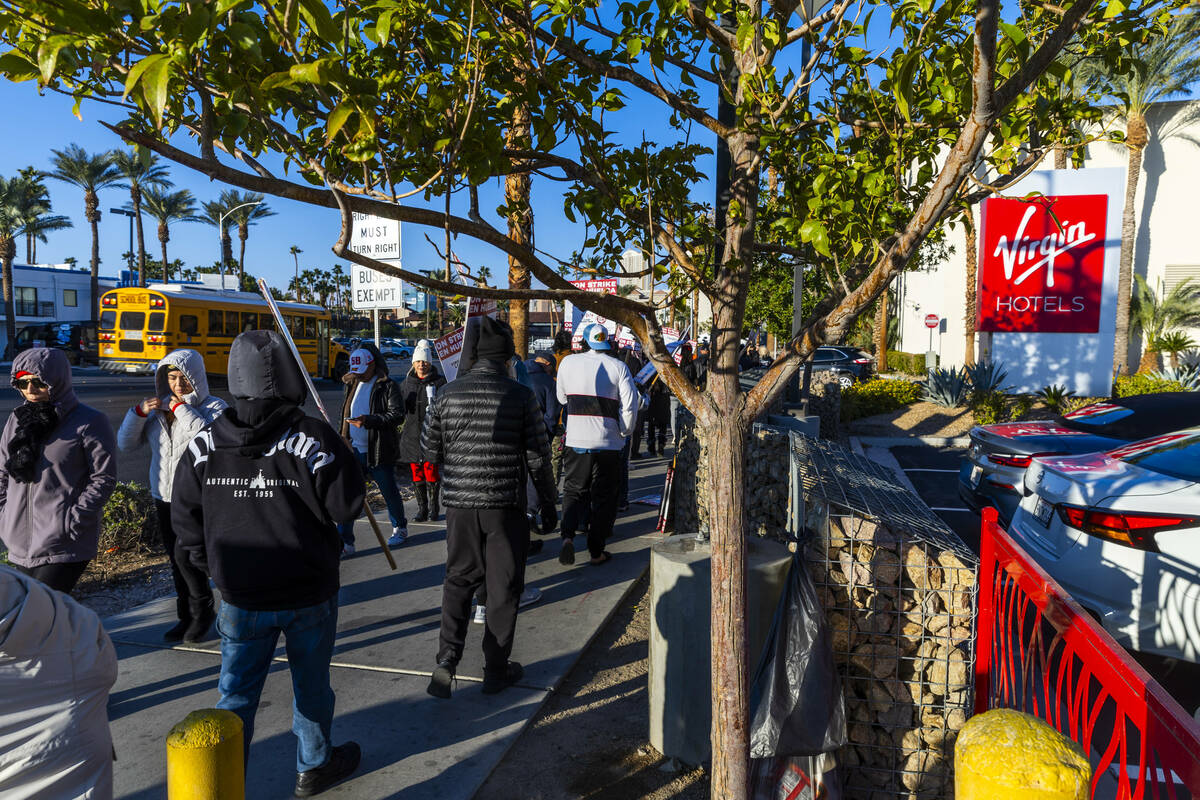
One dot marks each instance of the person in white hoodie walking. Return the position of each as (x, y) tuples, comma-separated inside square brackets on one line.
[(180, 408), (601, 402)]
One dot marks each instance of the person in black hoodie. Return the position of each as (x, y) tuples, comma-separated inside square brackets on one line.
[(487, 433), (416, 392), (371, 410), (255, 504)]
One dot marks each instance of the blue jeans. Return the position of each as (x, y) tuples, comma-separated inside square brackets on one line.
[(385, 476), (248, 640)]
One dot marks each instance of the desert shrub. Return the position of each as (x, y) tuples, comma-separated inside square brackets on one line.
[(947, 387), (1021, 407), (985, 378), (1186, 376), (129, 523), (877, 396), (1056, 397), (988, 407), (1130, 385), (908, 363)]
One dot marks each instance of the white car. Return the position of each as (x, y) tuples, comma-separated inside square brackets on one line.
[(1120, 531)]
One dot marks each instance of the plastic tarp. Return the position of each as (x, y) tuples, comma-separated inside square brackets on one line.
[(796, 695), (57, 665)]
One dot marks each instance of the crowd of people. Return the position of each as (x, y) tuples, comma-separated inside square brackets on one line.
[(260, 500)]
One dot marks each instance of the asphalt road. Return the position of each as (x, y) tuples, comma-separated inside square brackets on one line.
[(115, 394)]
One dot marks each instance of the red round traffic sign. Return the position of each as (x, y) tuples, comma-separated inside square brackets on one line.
[(931, 320)]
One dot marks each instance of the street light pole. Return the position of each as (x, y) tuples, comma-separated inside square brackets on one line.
[(221, 235), (129, 214)]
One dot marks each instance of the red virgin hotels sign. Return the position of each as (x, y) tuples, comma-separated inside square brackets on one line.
[(1041, 264)]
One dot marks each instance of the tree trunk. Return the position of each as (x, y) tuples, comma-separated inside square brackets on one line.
[(164, 234), (8, 251), (1060, 156), (93, 216), (520, 227), (972, 255), (881, 326), (1174, 356), (1135, 139), (243, 235), (1149, 362), (726, 446), (136, 195)]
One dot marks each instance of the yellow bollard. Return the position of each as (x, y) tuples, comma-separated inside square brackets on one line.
[(204, 757), (1008, 755)]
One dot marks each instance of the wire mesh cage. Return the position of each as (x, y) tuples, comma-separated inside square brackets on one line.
[(899, 589)]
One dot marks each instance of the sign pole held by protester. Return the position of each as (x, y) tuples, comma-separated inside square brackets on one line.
[(312, 389)]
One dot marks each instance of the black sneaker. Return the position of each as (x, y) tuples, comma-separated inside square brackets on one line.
[(439, 683), (175, 633), (342, 761), (566, 556), (198, 628), (498, 680)]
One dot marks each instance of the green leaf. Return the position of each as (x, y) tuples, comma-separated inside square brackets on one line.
[(16, 67), (1113, 8), (277, 80), (48, 54), (903, 84), (316, 16), (813, 231), (138, 70), (314, 73), (336, 119), (634, 46), (155, 82)]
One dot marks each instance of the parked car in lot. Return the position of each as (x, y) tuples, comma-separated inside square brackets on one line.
[(393, 348), (993, 471), (1120, 530), (848, 364), (78, 340)]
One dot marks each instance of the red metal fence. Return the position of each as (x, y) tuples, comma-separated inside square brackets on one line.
[(1039, 652)]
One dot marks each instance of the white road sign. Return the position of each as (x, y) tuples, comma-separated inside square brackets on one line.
[(377, 238), (371, 289)]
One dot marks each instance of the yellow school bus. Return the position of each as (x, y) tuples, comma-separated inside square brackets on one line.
[(140, 326)]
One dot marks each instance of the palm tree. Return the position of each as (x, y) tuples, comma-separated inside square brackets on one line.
[(1173, 344), (215, 213), (33, 199), (12, 219), (1158, 69), (90, 172), (296, 251), (139, 176), (1154, 317), (252, 208), (168, 207)]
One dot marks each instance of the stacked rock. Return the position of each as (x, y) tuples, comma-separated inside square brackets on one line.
[(901, 617)]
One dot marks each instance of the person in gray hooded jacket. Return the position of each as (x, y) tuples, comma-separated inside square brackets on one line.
[(57, 470), (180, 408)]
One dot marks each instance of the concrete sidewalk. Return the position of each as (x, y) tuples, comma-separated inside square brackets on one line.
[(414, 746)]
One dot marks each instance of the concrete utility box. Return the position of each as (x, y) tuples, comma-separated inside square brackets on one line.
[(680, 640)]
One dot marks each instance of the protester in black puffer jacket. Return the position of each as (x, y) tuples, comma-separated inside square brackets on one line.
[(487, 433)]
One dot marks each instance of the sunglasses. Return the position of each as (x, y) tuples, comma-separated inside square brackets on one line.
[(30, 383)]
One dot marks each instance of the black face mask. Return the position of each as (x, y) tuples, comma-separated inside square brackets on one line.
[(35, 423)]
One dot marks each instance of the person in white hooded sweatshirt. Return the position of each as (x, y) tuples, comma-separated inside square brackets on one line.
[(180, 408)]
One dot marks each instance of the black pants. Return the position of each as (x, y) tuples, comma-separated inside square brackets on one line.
[(639, 428), (192, 593), (591, 480), (61, 577), (658, 424), (483, 546)]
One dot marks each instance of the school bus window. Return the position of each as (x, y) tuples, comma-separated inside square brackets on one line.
[(216, 323), (249, 321), (108, 320), (231, 323), (189, 324), (266, 322), (133, 320), (158, 320), (295, 326), (310, 328)]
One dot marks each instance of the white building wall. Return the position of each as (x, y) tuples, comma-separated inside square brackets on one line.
[(1167, 222), (52, 284)]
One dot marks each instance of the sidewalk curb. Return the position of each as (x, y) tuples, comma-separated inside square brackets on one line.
[(550, 691), (909, 441)]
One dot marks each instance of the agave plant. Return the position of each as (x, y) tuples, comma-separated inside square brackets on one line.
[(1187, 377), (985, 377), (1055, 397), (947, 387)]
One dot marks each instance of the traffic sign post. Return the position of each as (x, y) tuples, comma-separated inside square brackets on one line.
[(931, 321), (378, 238)]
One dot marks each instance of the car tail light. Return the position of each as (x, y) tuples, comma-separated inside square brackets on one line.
[(862, 360), (1131, 530), (1013, 460)]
